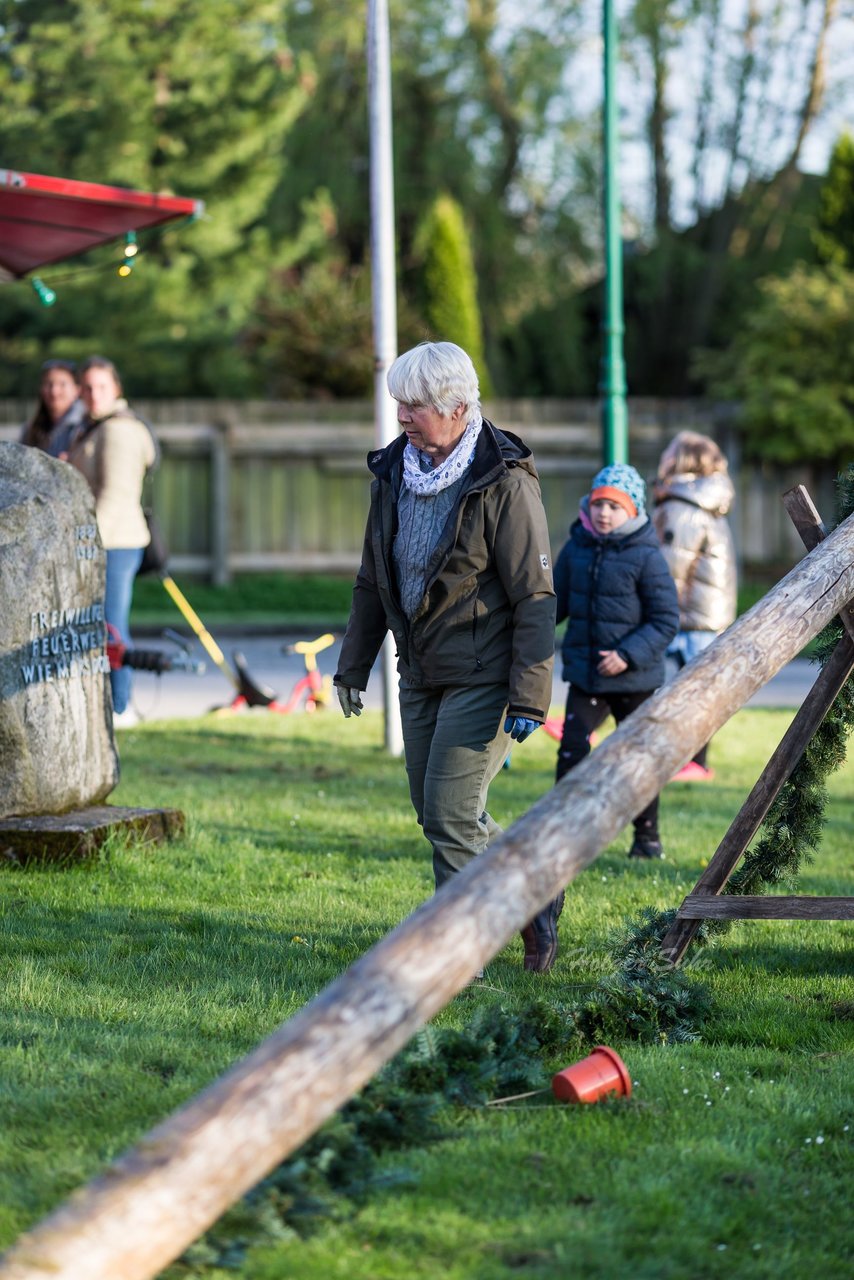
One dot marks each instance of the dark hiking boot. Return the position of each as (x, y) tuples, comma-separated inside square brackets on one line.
[(646, 847), (540, 937)]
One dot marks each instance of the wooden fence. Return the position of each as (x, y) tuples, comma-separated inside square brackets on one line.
[(253, 486)]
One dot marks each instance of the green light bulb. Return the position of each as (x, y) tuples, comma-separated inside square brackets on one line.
[(46, 295)]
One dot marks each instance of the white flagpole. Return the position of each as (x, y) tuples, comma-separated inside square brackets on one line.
[(383, 290)]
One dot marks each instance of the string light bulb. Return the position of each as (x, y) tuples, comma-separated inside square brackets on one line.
[(46, 295), (131, 250)]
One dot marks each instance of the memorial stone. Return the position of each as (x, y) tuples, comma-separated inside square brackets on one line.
[(57, 751)]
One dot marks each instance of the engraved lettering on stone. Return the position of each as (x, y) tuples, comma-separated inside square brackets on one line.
[(56, 632), (87, 542)]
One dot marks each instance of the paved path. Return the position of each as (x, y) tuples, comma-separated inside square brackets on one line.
[(180, 694)]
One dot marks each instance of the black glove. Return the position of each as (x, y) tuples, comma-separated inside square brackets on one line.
[(351, 703)]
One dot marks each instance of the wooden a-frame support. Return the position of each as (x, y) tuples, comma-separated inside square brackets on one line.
[(708, 900)]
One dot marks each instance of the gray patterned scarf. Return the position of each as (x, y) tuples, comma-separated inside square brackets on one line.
[(427, 483)]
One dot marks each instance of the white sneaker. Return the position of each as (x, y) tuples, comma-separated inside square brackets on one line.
[(126, 719)]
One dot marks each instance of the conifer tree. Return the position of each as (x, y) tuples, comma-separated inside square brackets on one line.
[(450, 284), (195, 99), (834, 234)]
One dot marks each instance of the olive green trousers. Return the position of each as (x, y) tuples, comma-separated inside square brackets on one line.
[(455, 745)]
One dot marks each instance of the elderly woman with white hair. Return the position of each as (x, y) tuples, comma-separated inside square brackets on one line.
[(456, 565)]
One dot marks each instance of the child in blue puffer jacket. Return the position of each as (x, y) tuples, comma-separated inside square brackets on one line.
[(614, 586)]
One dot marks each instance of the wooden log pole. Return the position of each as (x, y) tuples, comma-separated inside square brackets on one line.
[(141, 1213)]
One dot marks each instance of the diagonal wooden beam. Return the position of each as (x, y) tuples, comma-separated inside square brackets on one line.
[(804, 516)]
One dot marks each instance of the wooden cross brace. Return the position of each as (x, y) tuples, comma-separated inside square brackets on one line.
[(708, 902)]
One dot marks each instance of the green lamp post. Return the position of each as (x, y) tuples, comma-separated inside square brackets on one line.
[(615, 428)]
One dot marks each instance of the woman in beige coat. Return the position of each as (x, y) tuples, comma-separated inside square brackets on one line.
[(693, 495), (114, 449)]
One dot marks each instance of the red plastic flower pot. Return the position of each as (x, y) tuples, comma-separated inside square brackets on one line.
[(601, 1073)]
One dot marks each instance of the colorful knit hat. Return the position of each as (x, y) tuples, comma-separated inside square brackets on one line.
[(620, 483)]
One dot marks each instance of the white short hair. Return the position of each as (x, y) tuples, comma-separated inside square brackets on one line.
[(439, 374)]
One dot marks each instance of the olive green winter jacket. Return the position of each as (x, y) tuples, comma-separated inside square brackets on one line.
[(488, 612)]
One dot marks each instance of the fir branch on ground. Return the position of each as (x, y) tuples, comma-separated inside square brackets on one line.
[(410, 1103), (645, 998)]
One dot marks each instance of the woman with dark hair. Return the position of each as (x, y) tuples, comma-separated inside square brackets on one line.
[(60, 409), (114, 449)]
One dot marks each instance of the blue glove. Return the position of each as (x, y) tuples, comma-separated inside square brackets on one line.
[(520, 728)]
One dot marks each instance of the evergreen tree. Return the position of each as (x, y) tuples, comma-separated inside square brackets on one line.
[(311, 334), (791, 367), (481, 111), (196, 99), (834, 234), (790, 363), (449, 283)]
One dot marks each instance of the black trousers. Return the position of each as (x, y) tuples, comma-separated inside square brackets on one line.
[(585, 712)]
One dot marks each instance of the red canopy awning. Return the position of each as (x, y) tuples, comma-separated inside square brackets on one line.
[(45, 220)]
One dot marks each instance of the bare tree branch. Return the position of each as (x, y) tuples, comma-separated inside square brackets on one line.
[(782, 190), (705, 106), (483, 19)]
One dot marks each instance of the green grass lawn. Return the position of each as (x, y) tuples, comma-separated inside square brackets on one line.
[(129, 984), (292, 599)]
